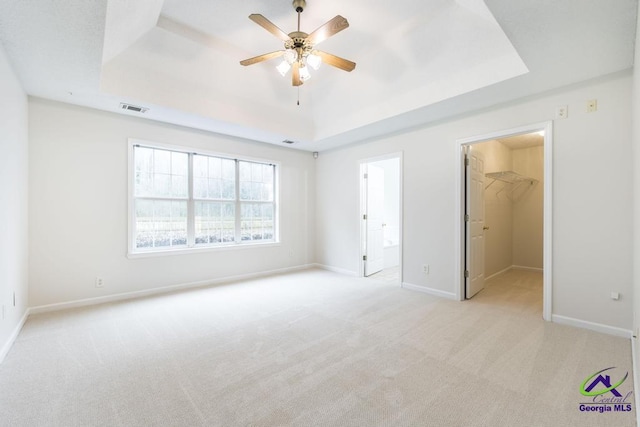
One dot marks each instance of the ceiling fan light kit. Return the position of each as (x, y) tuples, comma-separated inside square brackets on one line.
[(299, 47)]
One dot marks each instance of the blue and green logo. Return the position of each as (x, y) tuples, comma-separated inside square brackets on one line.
[(605, 381), (598, 386)]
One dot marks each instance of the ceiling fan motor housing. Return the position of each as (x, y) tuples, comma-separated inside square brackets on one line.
[(297, 40), (299, 5)]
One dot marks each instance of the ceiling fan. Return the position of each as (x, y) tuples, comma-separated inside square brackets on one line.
[(299, 47)]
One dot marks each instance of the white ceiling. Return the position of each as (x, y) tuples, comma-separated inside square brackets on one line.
[(418, 61), (526, 140)]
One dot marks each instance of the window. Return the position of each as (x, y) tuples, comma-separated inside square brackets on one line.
[(183, 200)]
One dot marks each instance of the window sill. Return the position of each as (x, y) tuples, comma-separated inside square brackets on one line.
[(187, 251)]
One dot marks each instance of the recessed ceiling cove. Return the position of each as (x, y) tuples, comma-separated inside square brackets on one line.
[(409, 54)]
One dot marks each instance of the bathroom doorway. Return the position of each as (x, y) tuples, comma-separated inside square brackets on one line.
[(381, 227)]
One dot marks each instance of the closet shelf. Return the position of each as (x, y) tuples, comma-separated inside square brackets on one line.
[(509, 177)]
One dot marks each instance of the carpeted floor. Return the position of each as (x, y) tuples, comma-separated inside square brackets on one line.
[(312, 348)]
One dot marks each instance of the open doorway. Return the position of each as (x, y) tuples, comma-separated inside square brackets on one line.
[(506, 215), (380, 215)]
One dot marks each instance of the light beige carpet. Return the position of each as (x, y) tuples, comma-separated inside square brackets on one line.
[(309, 349)]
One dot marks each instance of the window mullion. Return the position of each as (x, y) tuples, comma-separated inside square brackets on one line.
[(133, 201), (238, 206), (274, 204), (191, 216), (169, 199)]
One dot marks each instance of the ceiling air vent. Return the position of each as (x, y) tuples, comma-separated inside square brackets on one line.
[(288, 141), (134, 108)]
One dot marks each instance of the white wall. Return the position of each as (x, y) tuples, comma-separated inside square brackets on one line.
[(528, 207), (592, 198), (636, 189), (78, 207), (13, 202)]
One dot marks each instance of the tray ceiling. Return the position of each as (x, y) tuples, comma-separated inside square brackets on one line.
[(417, 60)]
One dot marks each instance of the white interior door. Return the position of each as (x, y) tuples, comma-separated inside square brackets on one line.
[(374, 249), (474, 223)]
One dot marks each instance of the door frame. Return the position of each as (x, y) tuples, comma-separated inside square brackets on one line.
[(363, 208), (461, 147)]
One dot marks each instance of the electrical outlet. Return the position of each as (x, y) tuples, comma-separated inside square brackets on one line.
[(99, 282), (425, 269), (592, 106), (562, 112)]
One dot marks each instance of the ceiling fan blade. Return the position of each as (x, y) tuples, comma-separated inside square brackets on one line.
[(260, 58), (325, 31), (336, 61), (269, 26), (295, 75)]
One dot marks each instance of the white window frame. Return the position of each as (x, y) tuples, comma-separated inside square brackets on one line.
[(191, 247)]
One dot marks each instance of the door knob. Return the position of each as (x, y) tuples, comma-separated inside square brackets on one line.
[(485, 228)]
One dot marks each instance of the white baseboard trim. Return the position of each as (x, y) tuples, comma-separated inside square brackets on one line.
[(514, 267), (12, 338), (161, 290), (636, 379), (598, 327), (522, 267), (337, 270), (504, 270), (430, 291)]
